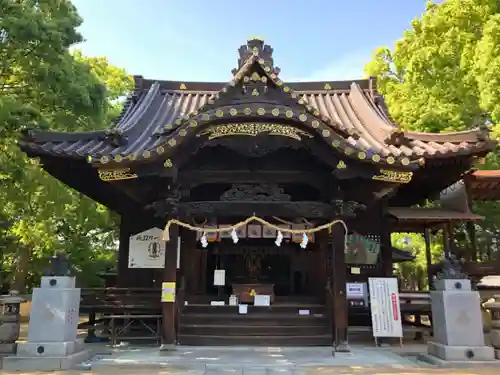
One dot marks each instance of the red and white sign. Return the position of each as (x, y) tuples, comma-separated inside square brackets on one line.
[(385, 307)]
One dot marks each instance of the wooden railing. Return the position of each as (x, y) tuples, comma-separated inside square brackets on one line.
[(118, 300)]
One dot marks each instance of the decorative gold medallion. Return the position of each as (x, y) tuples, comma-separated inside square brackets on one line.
[(315, 124), (182, 132), (261, 111), (172, 142), (247, 111), (116, 174), (289, 114), (219, 113), (118, 158), (327, 86), (405, 161), (233, 111), (146, 154), (302, 117), (168, 163), (253, 129), (193, 123), (182, 86), (325, 133), (275, 112), (393, 176), (376, 158), (341, 164), (160, 149), (205, 117)]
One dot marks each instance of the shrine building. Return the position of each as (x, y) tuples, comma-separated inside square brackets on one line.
[(201, 157)]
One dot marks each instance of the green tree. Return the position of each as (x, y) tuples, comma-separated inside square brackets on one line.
[(444, 73), (43, 85)]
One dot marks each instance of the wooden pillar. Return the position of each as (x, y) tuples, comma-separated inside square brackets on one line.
[(447, 232), (428, 257), (122, 270), (339, 278), (385, 241), (322, 260), (471, 230), (189, 261), (169, 276)]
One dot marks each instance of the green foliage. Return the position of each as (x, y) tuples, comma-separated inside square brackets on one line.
[(43, 85), (444, 75), (414, 274)]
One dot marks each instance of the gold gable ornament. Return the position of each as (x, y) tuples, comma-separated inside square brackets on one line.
[(253, 129), (116, 174), (182, 87), (393, 176)]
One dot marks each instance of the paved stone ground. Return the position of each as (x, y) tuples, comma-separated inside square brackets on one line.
[(353, 370)]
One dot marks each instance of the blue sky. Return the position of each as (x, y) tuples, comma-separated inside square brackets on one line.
[(197, 40)]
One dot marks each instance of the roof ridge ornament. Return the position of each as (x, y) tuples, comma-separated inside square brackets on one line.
[(256, 47)]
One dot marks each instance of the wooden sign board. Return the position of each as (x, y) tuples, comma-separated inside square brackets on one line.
[(147, 249)]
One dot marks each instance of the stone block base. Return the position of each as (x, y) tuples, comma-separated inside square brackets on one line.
[(47, 356), (7, 349), (497, 353), (461, 353)]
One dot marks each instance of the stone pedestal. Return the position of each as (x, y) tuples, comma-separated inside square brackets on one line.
[(457, 323), (494, 307), (52, 342)]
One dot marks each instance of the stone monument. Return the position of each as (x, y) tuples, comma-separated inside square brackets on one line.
[(494, 307), (456, 318), (52, 342)]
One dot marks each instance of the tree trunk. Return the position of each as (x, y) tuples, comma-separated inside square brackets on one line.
[(21, 272)]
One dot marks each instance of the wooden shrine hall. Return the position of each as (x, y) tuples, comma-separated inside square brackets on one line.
[(297, 156)]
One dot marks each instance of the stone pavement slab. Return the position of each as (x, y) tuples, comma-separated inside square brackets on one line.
[(270, 358)]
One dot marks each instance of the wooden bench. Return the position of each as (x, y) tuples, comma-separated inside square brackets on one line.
[(122, 324)]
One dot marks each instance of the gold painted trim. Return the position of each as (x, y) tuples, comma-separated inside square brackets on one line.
[(394, 176), (116, 174), (253, 129)]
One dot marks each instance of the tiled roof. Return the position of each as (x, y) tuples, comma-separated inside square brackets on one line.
[(354, 112)]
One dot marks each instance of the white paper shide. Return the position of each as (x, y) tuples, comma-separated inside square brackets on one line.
[(147, 249), (385, 308)]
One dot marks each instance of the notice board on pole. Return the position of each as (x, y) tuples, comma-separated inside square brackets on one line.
[(385, 308)]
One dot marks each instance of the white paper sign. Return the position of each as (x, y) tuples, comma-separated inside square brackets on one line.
[(355, 290), (220, 277), (147, 249), (261, 300), (385, 308), (304, 312), (242, 309)]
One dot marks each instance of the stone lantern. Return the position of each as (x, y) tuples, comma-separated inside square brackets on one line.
[(10, 306), (494, 307)]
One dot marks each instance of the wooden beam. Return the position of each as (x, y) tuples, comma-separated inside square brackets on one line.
[(312, 210), (193, 178)]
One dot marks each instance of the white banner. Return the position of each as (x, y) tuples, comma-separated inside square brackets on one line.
[(147, 249), (385, 308)]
